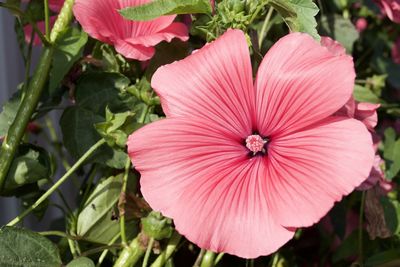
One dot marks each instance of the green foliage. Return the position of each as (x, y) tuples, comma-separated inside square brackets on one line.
[(31, 165), (8, 113), (157, 226), (159, 8), (68, 50), (81, 262), (299, 15), (95, 221), (21, 247), (391, 153), (339, 29)]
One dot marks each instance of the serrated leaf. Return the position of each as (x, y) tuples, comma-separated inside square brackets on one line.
[(159, 8), (299, 15), (21, 247), (95, 220), (68, 51), (339, 29)]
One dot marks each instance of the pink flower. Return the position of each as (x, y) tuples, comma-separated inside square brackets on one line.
[(396, 51), (202, 166), (133, 39), (391, 8), (361, 24)]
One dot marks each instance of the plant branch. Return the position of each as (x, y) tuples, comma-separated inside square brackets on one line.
[(58, 183), (123, 192), (167, 253)]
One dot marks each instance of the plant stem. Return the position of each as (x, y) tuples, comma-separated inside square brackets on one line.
[(264, 31), (199, 258), (123, 192), (131, 254), (148, 252), (32, 95), (208, 259), (105, 252), (58, 183), (219, 257), (166, 254), (360, 230), (47, 18)]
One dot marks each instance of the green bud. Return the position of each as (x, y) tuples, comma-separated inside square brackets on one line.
[(157, 226)]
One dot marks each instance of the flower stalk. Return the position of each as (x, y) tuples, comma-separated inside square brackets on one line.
[(32, 95), (131, 254)]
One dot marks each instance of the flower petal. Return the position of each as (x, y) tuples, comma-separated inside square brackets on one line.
[(175, 30), (300, 82), (213, 83), (311, 169), (199, 174), (132, 51)]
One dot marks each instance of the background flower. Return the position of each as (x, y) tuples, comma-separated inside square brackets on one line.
[(133, 39)]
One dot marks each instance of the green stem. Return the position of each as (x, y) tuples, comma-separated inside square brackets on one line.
[(32, 96), (72, 248), (25, 111), (199, 258), (47, 18), (99, 249), (105, 252), (123, 191), (131, 254), (148, 252), (360, 230), (208, 259), (167, 253), (219, 258), (58, 183), (265, 25), (56, 233)]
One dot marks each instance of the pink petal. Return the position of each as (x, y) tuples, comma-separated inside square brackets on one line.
[(56, 5), (41, 26), (311, 169), (214, 83), (366, 112), (175, 30), (333, 46), (300, 82), (101, 20), (138, 52), (199, 174), (375, 175)]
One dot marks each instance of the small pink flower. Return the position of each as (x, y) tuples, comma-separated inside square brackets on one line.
[(361, 24), (133, 39), (396, 51), (223, 193), (391, 8)]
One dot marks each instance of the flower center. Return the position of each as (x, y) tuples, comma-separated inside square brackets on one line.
[(255, 143)]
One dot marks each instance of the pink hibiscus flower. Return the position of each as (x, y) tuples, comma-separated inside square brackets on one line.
[(133, 39), (240, 166), (391, 8)]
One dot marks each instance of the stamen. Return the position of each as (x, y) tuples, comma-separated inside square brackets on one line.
[(255, 143)]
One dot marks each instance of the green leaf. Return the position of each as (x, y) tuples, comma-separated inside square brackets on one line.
[(299, 15), (339, 29), (95, 220), (364, 94), (9, 112), (30, 165), (159, 8), (68, 51), (391, 153), (77, 126), (21, 247), (390, 209), (81, 262)]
